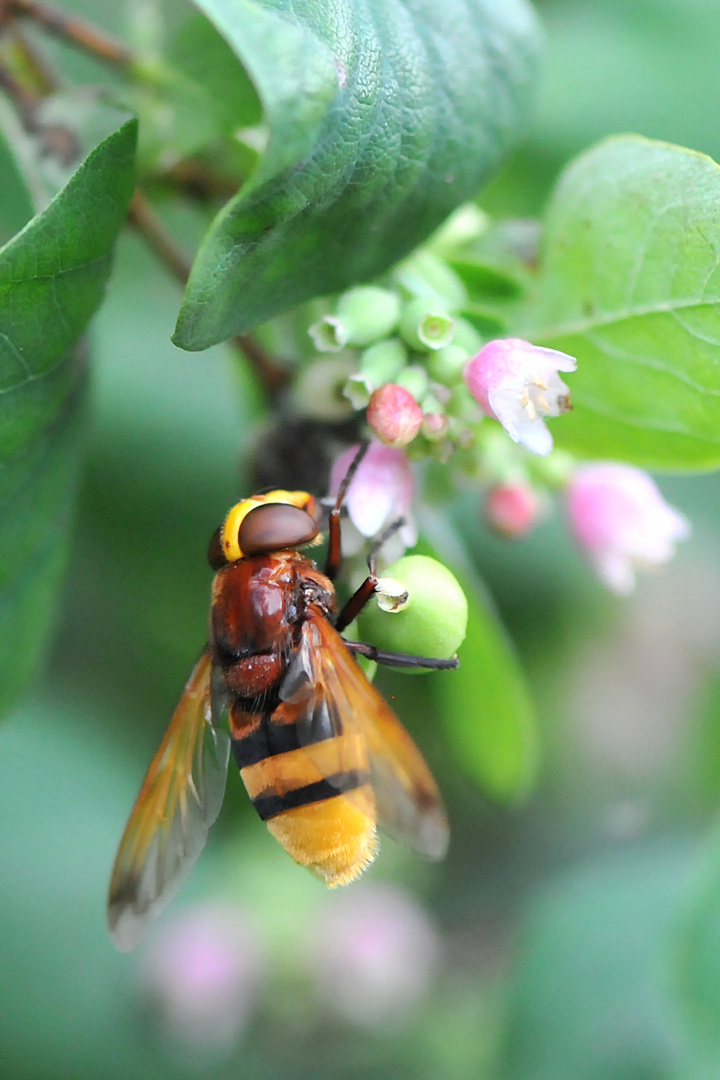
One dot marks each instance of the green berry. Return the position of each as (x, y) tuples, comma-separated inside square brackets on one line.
[(433, 623)]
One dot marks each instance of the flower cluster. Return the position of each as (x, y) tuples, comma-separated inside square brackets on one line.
[(414, 358)]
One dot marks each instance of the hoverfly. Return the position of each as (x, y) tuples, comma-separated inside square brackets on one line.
[(323, 757)]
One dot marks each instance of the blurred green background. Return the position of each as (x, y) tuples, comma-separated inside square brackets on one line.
[(574, 938)]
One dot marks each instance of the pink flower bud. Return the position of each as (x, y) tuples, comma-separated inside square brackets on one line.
[(622, 522), (511, 510), (435, 426), (381, 491), (517, 384), (394, 415)]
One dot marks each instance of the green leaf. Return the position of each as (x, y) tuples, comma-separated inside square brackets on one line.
[(485, 705), (15, 204), (695, 955), (52, 279), (630, 285), (588, 997), (199, 94), (206, 59), (383, 116)]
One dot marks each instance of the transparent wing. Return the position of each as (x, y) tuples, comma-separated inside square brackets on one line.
[(326, 680), (178, 802)]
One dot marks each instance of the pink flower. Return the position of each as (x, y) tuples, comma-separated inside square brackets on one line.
[(374, 954), (394, 415), (622, 522), (518, 384), (381, 491), (512, 509), (202, 970)]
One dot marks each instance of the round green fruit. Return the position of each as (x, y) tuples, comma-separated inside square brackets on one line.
[(433, 623)]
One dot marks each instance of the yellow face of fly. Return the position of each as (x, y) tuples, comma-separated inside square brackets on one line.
[(230, 531)]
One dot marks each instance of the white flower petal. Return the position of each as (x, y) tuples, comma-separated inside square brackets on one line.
[(548, 361), (369, 506)]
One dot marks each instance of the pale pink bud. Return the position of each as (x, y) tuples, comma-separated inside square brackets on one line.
[(374, 954), (622, 522), (381, 491), (518, 384), (511, 509), (435, 426), (394, 415)]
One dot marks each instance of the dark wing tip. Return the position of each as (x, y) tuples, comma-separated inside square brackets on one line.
[(127, 927)]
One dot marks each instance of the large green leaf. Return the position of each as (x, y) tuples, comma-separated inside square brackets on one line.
[(52, 279), (383, 115), (630, 285)]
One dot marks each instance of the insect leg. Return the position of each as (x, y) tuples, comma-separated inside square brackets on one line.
[(391, 659), (361, 596), (334, 555)]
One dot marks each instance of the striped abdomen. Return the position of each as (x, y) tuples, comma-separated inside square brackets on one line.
[(315, 796)]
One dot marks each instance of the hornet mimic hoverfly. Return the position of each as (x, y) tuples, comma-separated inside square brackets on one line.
[(323, 757)]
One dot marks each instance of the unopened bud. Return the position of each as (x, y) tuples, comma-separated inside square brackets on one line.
[(394, 415), (358, 390), (379, 364), (425, 325), (447, 365), (368, 314), (319, 390), (511, 510), (463, 405), (384, 361), (328, 334), (414, 379), (465, 224), (426, 275), (466, 336), (435, 426)]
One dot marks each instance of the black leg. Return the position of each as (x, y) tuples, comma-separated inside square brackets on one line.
[(402, 659)]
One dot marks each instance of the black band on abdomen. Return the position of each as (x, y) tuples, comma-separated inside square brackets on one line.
[(270, 805), (269, 739)]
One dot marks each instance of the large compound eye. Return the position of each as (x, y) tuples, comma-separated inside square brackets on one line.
[(274, 527)]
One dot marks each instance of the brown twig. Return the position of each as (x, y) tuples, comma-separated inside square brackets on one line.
[(75, 31), (272, 376), (25, 100), (147, 222), (31, 64), (197, 180)]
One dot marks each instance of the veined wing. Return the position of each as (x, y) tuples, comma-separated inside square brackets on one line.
[(339, 700), (178, 802)]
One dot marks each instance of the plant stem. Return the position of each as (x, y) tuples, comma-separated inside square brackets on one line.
[(75, 31), (147, 222), (272, 376)]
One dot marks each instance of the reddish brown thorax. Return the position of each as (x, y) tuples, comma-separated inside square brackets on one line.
[(259, 605)]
